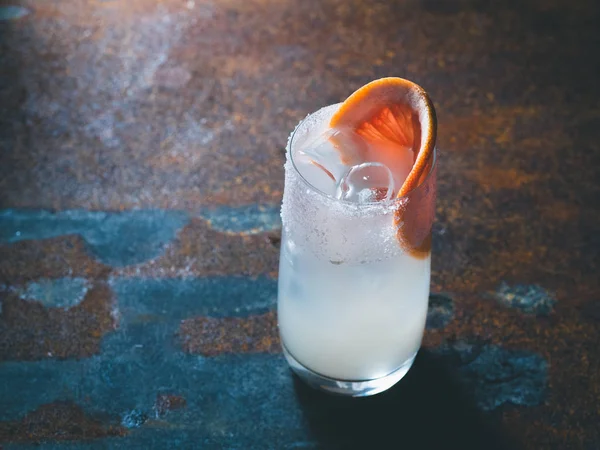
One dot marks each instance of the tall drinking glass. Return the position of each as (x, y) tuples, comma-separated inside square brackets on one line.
[(354, 275)]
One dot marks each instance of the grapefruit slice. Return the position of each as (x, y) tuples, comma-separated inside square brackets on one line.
[(392, 115)]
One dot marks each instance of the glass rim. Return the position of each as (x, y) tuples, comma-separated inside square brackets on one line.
[(366, 204)]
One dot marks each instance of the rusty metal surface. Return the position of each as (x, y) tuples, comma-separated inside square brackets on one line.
[(140, 177)]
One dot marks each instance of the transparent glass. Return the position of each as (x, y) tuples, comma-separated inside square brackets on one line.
[(353, 280)]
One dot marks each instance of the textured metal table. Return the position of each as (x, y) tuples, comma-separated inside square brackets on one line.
[(140, 180)]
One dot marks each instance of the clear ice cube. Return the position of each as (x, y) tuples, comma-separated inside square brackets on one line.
[(319, 148), (366, 183), (318, 160), (315, 173)]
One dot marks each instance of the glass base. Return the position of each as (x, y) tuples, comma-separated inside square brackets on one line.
[(361, 388)]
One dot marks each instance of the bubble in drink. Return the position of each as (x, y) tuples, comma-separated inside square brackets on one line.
[(366, 183)]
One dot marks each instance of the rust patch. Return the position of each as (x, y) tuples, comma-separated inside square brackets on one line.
[(57, 421), (560, 211), (496, 178), (64, 256), (29, 331), (211, 336), (477, 129), (199, 250)]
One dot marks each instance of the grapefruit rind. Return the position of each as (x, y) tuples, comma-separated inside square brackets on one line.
[(390, 113)]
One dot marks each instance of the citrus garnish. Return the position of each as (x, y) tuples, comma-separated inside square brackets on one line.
[(392, 115)]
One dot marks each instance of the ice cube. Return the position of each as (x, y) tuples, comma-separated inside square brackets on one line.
[(318, 161), (366, 183), (315, 173), (317, 146)]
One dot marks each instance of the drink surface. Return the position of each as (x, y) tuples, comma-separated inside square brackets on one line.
[(352, 303)]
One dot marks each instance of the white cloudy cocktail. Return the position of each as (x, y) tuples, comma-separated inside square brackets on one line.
[(353, 296)]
